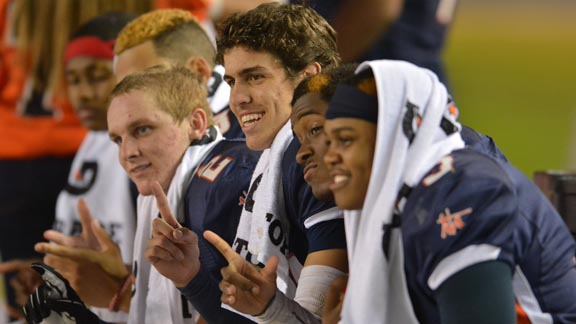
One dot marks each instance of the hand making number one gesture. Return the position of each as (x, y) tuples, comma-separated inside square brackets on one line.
[(245, 287), (173, 249)]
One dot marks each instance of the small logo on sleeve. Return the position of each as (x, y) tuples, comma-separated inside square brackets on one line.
[(452, 222)]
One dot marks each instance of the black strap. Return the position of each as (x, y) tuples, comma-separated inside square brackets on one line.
[(396, 218)]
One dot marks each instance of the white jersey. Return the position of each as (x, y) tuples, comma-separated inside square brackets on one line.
[(97, 177)]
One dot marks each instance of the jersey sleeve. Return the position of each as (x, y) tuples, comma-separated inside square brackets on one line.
[(461, 218)]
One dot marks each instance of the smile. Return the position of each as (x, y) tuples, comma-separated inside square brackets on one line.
[(339, 181), (251, 119)]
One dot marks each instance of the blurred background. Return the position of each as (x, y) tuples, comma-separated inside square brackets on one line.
[(511, 66)]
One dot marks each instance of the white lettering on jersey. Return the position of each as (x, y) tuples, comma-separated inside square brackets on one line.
[(211, 170), (446, 165)]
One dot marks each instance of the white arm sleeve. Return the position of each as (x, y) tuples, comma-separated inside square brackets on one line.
[(307, 306)]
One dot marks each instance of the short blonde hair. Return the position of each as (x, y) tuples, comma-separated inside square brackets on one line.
[(176, 35), (175, 90)]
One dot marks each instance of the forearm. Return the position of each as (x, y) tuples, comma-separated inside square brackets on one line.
[(204, 294), (479, 294), (308, 304), (287, 311)]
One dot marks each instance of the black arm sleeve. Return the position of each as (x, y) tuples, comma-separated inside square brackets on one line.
[(204, 294), (480, 294)]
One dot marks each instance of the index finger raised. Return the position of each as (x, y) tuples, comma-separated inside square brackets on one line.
[(221, 245), (164, 206)]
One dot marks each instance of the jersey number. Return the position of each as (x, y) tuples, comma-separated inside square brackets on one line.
[(212, 169)]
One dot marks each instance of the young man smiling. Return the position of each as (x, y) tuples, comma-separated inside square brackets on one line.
[(266, 52)]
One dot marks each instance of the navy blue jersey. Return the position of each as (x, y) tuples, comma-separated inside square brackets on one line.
[(216, 195), (470, 209), (481, 143), (214, 201), (228, 124), (310, 231)]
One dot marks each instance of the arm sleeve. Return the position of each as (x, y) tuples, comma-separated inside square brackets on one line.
[(468, 217), (204, 294), (479, 294)]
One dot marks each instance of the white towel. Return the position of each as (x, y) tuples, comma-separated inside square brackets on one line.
[(269, 209), (377, 290), (156, 299)]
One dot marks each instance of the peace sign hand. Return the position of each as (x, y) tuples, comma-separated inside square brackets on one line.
[(173, 249), (244, 287)]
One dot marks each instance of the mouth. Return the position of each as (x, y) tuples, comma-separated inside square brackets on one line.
[(85, 113), (139, 170), (249, 120), (309, 171), (339, 181)]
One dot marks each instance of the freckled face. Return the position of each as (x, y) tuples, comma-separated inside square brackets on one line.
[(151, 143), (349, 159), (260, 96), (308, 125)]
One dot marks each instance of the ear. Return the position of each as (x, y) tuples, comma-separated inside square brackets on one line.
[(311, 69), (199, 65), (198, 122)]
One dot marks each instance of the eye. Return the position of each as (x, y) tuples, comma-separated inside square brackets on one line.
[(254, 77), (116, 139), (143, 130), (344, 141), (316, 130), (97, 78), (230, 81), (71, 80)]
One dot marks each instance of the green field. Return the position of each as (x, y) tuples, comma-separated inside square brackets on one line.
[(512, 70)]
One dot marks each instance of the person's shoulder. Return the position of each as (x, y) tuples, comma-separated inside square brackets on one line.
[(229, 163), (464, 180), (236, 149), (470, 165)]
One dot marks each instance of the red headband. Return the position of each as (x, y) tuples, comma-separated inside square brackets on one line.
[(89, 46)]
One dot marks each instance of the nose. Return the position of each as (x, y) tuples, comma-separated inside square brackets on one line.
[(331, 158), (305, 152), (85, 90), (239, 95), (128, 149)]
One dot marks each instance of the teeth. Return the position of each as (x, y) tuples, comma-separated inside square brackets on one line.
[(250, 119), (340, 178)]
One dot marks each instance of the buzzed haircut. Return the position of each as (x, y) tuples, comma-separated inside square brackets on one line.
[(176, 35), (175, 90), (295, 34)]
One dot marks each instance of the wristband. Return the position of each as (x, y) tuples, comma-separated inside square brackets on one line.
[(114, 305)]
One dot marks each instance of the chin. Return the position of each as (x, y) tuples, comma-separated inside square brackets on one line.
[(322, 194), (144, 188), (347, 202), (256, 143)]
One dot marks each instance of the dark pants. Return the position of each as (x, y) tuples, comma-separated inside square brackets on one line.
[(28, 193)]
